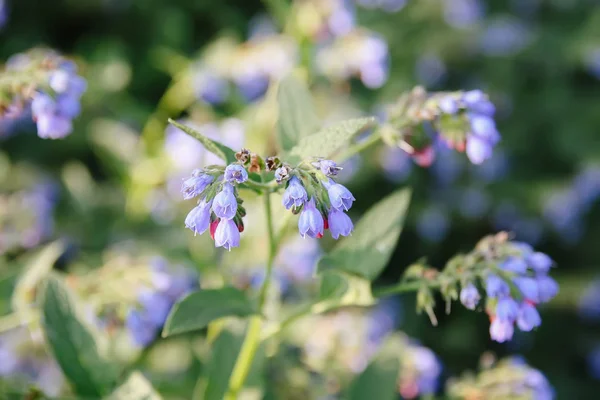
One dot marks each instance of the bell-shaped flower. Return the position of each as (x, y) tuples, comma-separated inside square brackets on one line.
[(311, 221), (227, 234), (225, 204), (339, 223), (295, 195)]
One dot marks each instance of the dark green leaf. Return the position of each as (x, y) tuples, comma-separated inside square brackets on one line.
[(73, 344), (198, 309), (224, 354), (370, 247), (297, 115), (377, 381), (136, 387), (218, 149), (327, 141)]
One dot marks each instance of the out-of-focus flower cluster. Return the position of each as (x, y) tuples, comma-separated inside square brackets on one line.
[(510, 378), (24, 358), (3, 13), (514, 276), (342, 343), (44, 84), (133, 295)]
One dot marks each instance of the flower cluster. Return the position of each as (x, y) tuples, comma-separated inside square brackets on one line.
[(527, 270), (511, 378), (420, 371), (50, 84), (219, 208), (461, 120), (321, 202)]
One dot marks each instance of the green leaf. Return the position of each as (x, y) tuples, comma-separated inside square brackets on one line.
[(34, 273), (327, 141), (370, 247), (297, 115), (198, 309), (339, 289), (75, 348), (224, 354), (136, 387), (377, 381), (218, 149)]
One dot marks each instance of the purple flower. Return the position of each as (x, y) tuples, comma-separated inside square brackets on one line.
[(235, 173), (469, 296), (514, 264), (195, 184), (528, 287), (448, 105), (225, 204), (528, 317), (328, 167), (339, 196), (484, 127), (339, 223), (141, 329), (198, 219), (227, 234), (156, 306), (507, 309), (281, 174), (311, 221), (478, 149), (547, 288), (540, 262), (295, 195), (501, 330), (476, 101), (496, 286), (53, 126)]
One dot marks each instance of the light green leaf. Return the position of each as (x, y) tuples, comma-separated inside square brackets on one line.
[(224, 354), (136, 387), (327, 141), (377, 381), (198, 309), (34, 273), (370, 247), (297, 115), (76, 349), (218, 149), (339, 289)]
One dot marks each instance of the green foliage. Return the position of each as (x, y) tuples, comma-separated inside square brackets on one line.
[(224, 353), (297, 115), (218, 149), (198, 309), (136, 387), (76, 348), (368, 250), (329, 140), (377, 381)]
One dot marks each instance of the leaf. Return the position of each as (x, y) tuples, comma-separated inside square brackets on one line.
[(377, 381), (74, 346), (136, 387), (218, 149), (37, 270), (370, 247), (224, 354), (198, 309), (297, 115), (327, 141), (340, 290)]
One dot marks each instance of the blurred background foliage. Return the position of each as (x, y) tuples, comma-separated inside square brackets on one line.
[(537, 59)]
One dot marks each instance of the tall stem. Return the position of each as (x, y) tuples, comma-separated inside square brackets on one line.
[(252, 339)]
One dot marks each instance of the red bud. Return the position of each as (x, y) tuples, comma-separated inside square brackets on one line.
[(241, 227), (213, 228), (424, 157), (325, 223), (319, 235)]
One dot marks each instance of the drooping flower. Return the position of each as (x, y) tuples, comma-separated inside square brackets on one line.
[(235, 173), (528, 317), (198, 220), (507, 309), (295, 195), (225, 203), (469, 296), (339, 196), (540, 262), (496, 286), (227, 234), (195, 184), (501, 330), (547, 287), (328, 167), (311, 221), (339, 223)]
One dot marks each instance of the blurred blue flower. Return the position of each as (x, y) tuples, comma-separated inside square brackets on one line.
[(396, 164), (501, 330), (433, 223), (463, 14), (589, 302), (505, 36), (469, 296), (430, 69), (473, 203), (593, 361)]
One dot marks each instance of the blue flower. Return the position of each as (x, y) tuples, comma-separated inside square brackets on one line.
[(501, 330), (507, 309), (156, 306), (225, 204), (514, 264), (469, 296), (476, 101), (328, 167), (339, 196), (339, 223), (281, 174), (528, 287), (311, 221), (540, 262), (295, 195), (528, 317), (141, 329), (484, 127), (195, 184), (496, 286), (547, 288), (227, 234), (478, 149), (235, 173), (448, 105), (198, 219)]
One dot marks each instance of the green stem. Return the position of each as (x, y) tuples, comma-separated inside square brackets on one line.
[(360, 146), (403, 287), (252, 339), (17, 319), (278, 9)]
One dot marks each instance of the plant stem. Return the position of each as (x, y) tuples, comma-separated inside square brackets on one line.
[(278, 10), (403, 287), (356, 148), (252, 339)]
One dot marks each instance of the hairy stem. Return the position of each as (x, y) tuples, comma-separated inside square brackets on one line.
[(404, 287), (252, 339)]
